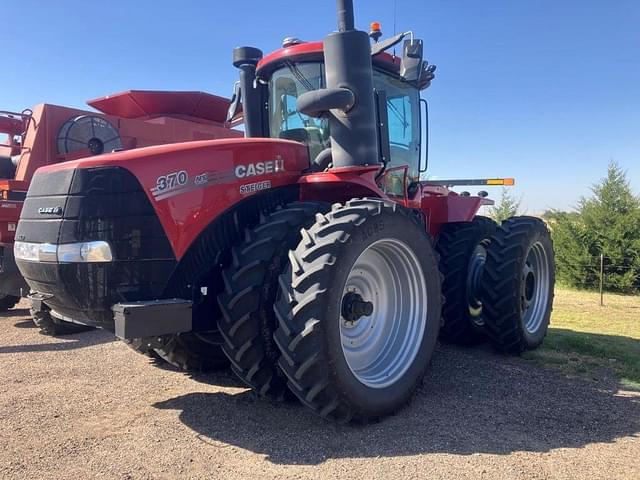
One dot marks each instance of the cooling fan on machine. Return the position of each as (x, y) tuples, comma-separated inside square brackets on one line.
[(88, 132)]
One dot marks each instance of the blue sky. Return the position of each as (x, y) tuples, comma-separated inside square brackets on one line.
[(545, 91)]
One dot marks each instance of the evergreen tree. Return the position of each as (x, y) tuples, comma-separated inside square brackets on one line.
[(576, 265), (507, 206), (607, 223)]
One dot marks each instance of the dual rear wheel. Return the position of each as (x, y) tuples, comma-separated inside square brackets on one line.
[(498, 282), (517, 285)]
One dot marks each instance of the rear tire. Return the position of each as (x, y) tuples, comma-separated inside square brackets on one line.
[(251, 285), (371, 257), (7, 302), (517, 285), (462, 248), (53, 326)]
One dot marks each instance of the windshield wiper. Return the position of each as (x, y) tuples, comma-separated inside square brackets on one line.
[(304, 81)]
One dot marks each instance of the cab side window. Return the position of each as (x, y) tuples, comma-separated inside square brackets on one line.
[(399, 112)]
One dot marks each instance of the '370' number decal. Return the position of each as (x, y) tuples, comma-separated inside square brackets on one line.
[(171, 181)]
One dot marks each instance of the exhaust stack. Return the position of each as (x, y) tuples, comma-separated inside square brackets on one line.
[(348, 100), (345, 15), (347, 53)]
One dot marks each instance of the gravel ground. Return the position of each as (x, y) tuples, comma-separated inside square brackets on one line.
[(86, 406)]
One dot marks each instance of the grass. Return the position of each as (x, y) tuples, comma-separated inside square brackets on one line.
[(589, 340)]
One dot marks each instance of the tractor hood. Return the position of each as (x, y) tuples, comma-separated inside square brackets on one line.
[(190, 183)]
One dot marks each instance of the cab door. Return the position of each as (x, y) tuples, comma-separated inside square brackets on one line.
[(403, 126)]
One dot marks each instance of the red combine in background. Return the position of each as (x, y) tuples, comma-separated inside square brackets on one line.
[(50, 134)]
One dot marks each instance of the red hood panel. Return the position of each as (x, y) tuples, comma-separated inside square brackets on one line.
[(190, 184)]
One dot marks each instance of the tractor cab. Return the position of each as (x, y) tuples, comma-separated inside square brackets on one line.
[(282, 77), (402, 113)]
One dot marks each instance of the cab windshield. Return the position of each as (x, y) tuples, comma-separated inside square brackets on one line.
[(286, 85)]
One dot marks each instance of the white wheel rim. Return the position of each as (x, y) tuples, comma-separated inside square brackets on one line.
[(379, 348), (534, 294)]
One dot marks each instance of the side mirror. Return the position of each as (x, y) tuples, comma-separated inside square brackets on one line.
[(236, 101), (411, 61)]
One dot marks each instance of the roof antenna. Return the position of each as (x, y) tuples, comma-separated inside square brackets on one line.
[(395, 5)]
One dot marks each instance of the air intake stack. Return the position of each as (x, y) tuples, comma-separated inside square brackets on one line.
[(246, 59)]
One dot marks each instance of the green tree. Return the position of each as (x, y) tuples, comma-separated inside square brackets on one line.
[(507, 206), (606, 223)]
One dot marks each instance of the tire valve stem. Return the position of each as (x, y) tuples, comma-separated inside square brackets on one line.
[(355, 307)]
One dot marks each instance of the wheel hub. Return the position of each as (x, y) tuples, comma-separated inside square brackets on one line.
[(474, 278), (354, 307), (529, 284)]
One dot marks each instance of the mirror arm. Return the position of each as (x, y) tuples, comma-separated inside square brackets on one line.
[(380, 47)]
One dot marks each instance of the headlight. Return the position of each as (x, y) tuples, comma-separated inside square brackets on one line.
[(97, 251), (35, 252)]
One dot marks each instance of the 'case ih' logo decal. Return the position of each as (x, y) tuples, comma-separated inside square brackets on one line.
[(57, 210), (260, 168)]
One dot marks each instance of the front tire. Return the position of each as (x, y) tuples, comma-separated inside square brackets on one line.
[(359, 311), (517, 285), (251, 285)]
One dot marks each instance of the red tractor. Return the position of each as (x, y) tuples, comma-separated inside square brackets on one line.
[(303, 254), (52, 134)]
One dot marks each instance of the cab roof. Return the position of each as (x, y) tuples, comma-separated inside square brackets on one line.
[(313, 52)]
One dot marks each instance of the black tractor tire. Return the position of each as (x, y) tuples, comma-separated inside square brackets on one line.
[(250, 288), (7, 302), (458, 245), (197, 352), (311, 310), (53, 326), (517, 285)]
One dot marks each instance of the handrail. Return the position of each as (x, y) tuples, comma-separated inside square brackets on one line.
[(15, 146), (11, 125)]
